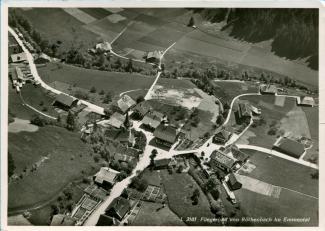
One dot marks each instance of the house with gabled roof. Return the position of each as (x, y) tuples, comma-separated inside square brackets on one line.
[(106, 177), (116, 120), (105, 220), (125, 103), (243, 113), (220, 160), (153, 56), (290, 147), (118, 208), (306, 101), (268, 89), (152, 120), (65, 102), (165, 135), (221, 137)]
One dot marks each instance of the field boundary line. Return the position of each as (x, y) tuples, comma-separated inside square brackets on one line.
[(34, 109), (122, 31), (307, 195)]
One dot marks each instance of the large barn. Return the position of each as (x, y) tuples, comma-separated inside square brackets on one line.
[(290, 147)]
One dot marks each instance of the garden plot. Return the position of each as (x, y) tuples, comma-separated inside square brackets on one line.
[(184, 97)]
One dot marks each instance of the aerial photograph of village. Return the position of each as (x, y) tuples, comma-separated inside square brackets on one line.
[(163, 117)]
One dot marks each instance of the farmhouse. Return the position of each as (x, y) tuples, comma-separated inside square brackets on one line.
[(162, 163), (126, 154), (220, 160), (62, 220), (222, 137), (116, 120), (65, 102), (165, 135), (289, 147), (118, 208), (154, 56), (240, 156), (306, 101), (141, 109), (268, 89), (18, 58), (95, 192), (105, 220), (103, 47), (125, 103), (42, 59), (152, 120), (243, 113), (233, 183), (106, 177)]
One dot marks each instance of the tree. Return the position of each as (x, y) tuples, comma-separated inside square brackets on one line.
[(191, 22), (102, 92), (71, 121), (140, 99), (129, 66), (93, 89), (153, 155), (39, 121), (108, 98), (11, 165)]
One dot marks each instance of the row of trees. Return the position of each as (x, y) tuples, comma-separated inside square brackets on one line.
[(17, 20)]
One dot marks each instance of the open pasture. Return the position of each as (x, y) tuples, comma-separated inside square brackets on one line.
[(67, 158), (101, 80), (288, 174)]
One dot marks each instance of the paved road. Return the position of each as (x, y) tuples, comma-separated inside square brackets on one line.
[(33, 69)]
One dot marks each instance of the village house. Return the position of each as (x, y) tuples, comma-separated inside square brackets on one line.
[(221, 137), (152, 120), (118, 208), (162, 163), (116, 120), (243, 113), (105, 220), (290, 147), (268, 89), (220, 160), (240, 156), (126, 154), (65, 102), (153, 56), (42, 59), (141, 109), (233, 183), (307, 101), (103, 47), (18, 58), (165, 135), (125, 103), (105, 178), (62, 220)]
